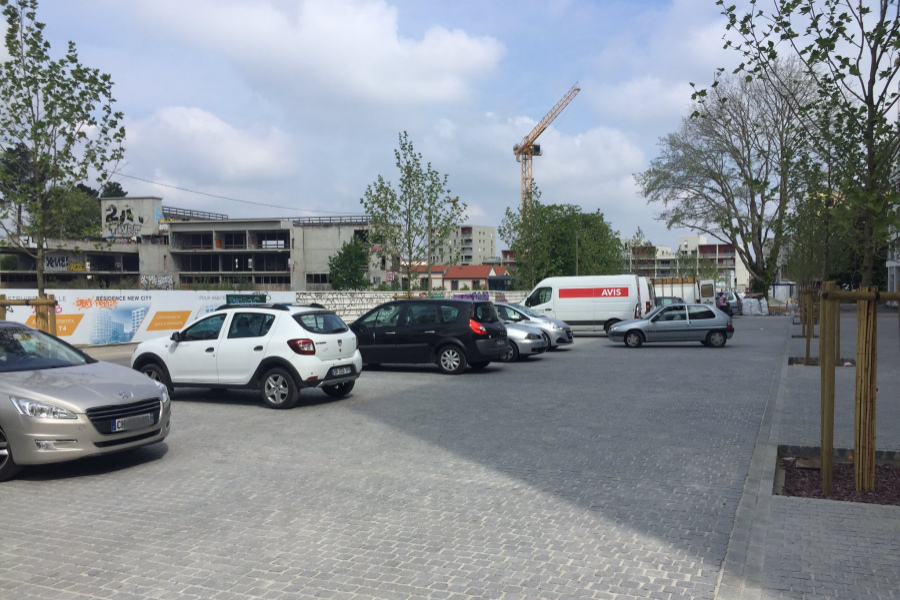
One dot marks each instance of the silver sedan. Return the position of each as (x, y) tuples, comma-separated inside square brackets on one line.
[(555, 332), (676, 323), (523, 342), (59, 404)]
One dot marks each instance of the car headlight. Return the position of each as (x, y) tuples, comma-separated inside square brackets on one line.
[(40, 410), (163, 393), (554, 325), (533, 336)]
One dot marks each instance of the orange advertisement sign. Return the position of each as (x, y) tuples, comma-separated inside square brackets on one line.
[(167, 320), (65, 324)]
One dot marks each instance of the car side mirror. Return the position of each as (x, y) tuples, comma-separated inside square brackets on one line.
[(654, 319), (176, 336)]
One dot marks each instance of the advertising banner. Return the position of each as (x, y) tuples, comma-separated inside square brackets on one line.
[(96, 317)]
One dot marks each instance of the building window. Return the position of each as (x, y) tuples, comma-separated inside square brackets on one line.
[(317, 278), (232, 241), (454, 285), (270, 240)]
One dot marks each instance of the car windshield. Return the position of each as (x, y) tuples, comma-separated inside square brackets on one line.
[(528, 312), (655, 311), (31, 350)]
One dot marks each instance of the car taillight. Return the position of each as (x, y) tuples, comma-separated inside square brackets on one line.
[(306, 347), (729, 326), (648, 306), (477, 327), (637, 311)]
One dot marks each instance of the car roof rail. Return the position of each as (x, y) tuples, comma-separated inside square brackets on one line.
[(270, 305)]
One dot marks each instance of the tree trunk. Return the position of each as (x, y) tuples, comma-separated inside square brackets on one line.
[(868, 262), (39, 255)]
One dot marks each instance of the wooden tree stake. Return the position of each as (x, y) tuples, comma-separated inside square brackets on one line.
[(866, 382), (826, 368)]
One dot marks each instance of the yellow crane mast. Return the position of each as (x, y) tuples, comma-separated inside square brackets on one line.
[(527, 149)]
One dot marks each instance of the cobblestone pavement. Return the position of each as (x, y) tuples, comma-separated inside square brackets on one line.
[(801, 419), (828, 549), (592, 472)]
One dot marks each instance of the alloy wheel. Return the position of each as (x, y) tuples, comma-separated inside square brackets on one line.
[(4, 450), (152, 374), (277, 389), (450, 359)]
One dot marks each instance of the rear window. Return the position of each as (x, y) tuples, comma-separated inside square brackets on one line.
[(707, 291), (321, 322), (485, 313)]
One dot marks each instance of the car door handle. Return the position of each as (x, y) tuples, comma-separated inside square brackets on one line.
[(432, 331), (210, 349), (390, 333), (258, 349)]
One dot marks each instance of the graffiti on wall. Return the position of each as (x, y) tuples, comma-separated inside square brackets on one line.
[(157, 282), (120, 221), (62, 262)]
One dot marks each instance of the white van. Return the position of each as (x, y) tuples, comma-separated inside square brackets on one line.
[(590, 303)]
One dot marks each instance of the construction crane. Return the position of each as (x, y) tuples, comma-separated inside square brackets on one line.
[(527, 149)]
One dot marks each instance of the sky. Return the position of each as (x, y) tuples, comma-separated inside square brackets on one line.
[(299, 103)]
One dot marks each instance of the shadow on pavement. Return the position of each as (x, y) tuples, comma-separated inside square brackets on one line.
[(95, 465)]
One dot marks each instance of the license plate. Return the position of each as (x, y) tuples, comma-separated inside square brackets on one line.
[(341, 371), (500, 343), (129, 423)]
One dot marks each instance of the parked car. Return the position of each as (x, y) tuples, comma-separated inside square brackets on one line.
[(734, 301), (667, 300), (59, 404), (450, 333), (523, 341), (676, 323), (274, 348), (589, 303), (556, 332)]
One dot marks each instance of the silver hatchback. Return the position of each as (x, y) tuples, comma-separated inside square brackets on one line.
[(676, 323), (59, 404)]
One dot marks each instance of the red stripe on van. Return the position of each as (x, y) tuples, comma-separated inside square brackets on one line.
[(604, 292)]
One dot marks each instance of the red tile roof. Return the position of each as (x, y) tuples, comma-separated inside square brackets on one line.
[(499, 271), (468, 272), (424, 269)]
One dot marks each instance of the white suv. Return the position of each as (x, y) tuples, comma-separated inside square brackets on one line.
[(274, 348)]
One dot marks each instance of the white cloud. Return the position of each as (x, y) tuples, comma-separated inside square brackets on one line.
[(193, 145), (333, 48)]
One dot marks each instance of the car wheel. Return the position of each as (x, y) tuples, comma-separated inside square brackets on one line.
[(278, 389), (512, 355), (634, 339), (157, 373), (8, 467), (451, 360), (340, 390), (477, 366), (716, 339)]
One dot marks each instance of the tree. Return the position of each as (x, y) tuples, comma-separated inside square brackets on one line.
[(60, 113), (406, 220), (732, 172), (559, 240), (851, 53), (347, 268), (112, 189)]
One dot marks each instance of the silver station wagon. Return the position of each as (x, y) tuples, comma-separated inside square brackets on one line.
[(676, 323), (59, 404)]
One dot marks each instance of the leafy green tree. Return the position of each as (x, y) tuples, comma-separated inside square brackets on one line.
[(406, 220), (61, 112), (347, 268), (112, 189), (849, 48), (733, 172), (559, 240)]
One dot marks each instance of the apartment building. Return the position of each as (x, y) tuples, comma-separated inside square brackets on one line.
[(159, 247), (692, 252), (471, 245)]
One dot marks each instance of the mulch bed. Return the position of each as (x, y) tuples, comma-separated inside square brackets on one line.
[(806, 483)]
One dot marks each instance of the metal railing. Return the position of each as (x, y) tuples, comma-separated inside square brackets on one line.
[(338, 220), (172, 211)]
